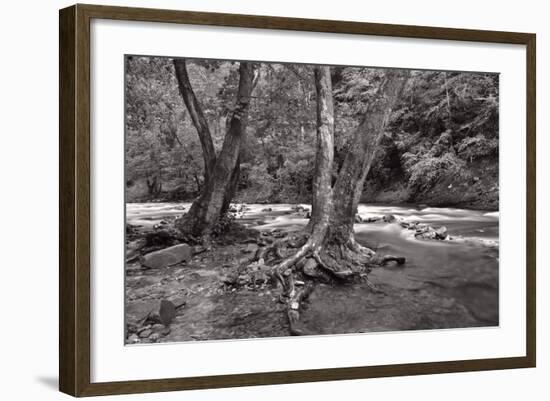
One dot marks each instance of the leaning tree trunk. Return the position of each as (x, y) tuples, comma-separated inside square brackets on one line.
[(364, 144), (197, 116), (206, 210)]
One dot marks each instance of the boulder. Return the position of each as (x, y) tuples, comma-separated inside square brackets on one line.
[(267, 209), (389, 218), (441, 232), (167, 257), (358, 219)]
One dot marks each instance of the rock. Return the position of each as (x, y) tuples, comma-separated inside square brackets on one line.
[(167, 312), (267, 209), (299, 209), (230, 279), (259, 277), (371, 220), (358, 219), (167, 257), (154, 337), (389, 218), (198, 249), (390, 258), (145, 333), (425, 235), (250, 248), (441, 233), (133, 339), (421, 228)]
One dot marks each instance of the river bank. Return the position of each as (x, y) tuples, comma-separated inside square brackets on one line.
[(443, 284)]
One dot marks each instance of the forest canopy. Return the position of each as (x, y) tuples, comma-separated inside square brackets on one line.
[(440, 144)]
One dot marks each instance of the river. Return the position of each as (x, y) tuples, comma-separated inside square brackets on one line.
[(443, 284)]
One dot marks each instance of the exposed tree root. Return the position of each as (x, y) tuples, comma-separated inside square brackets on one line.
[(298, 261), (320, 261)]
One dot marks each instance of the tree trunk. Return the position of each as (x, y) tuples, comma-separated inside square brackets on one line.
[(206, 210), (322, 188), (330, 249), (349, 184), (197, 116), (232, 188)]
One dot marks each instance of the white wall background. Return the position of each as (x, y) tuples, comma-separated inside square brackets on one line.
[(28, 198)]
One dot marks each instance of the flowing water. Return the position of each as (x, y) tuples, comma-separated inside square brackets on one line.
[(443, 284)]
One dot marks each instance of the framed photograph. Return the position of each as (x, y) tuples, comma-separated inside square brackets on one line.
[(250, 200)]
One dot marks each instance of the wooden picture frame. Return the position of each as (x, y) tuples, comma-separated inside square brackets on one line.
[(74, 203)]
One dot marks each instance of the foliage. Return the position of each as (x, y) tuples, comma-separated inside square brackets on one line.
[(444, 125), (425, 172)]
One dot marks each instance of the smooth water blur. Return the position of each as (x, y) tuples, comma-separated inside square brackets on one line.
[(461, 273)]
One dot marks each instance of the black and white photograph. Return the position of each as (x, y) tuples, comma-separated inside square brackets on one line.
[(268, 199)]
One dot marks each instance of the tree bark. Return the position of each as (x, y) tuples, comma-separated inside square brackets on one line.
[(232, 188), (322, 188), (322, 191), (361, 152), (206, 210), (197, 116)]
